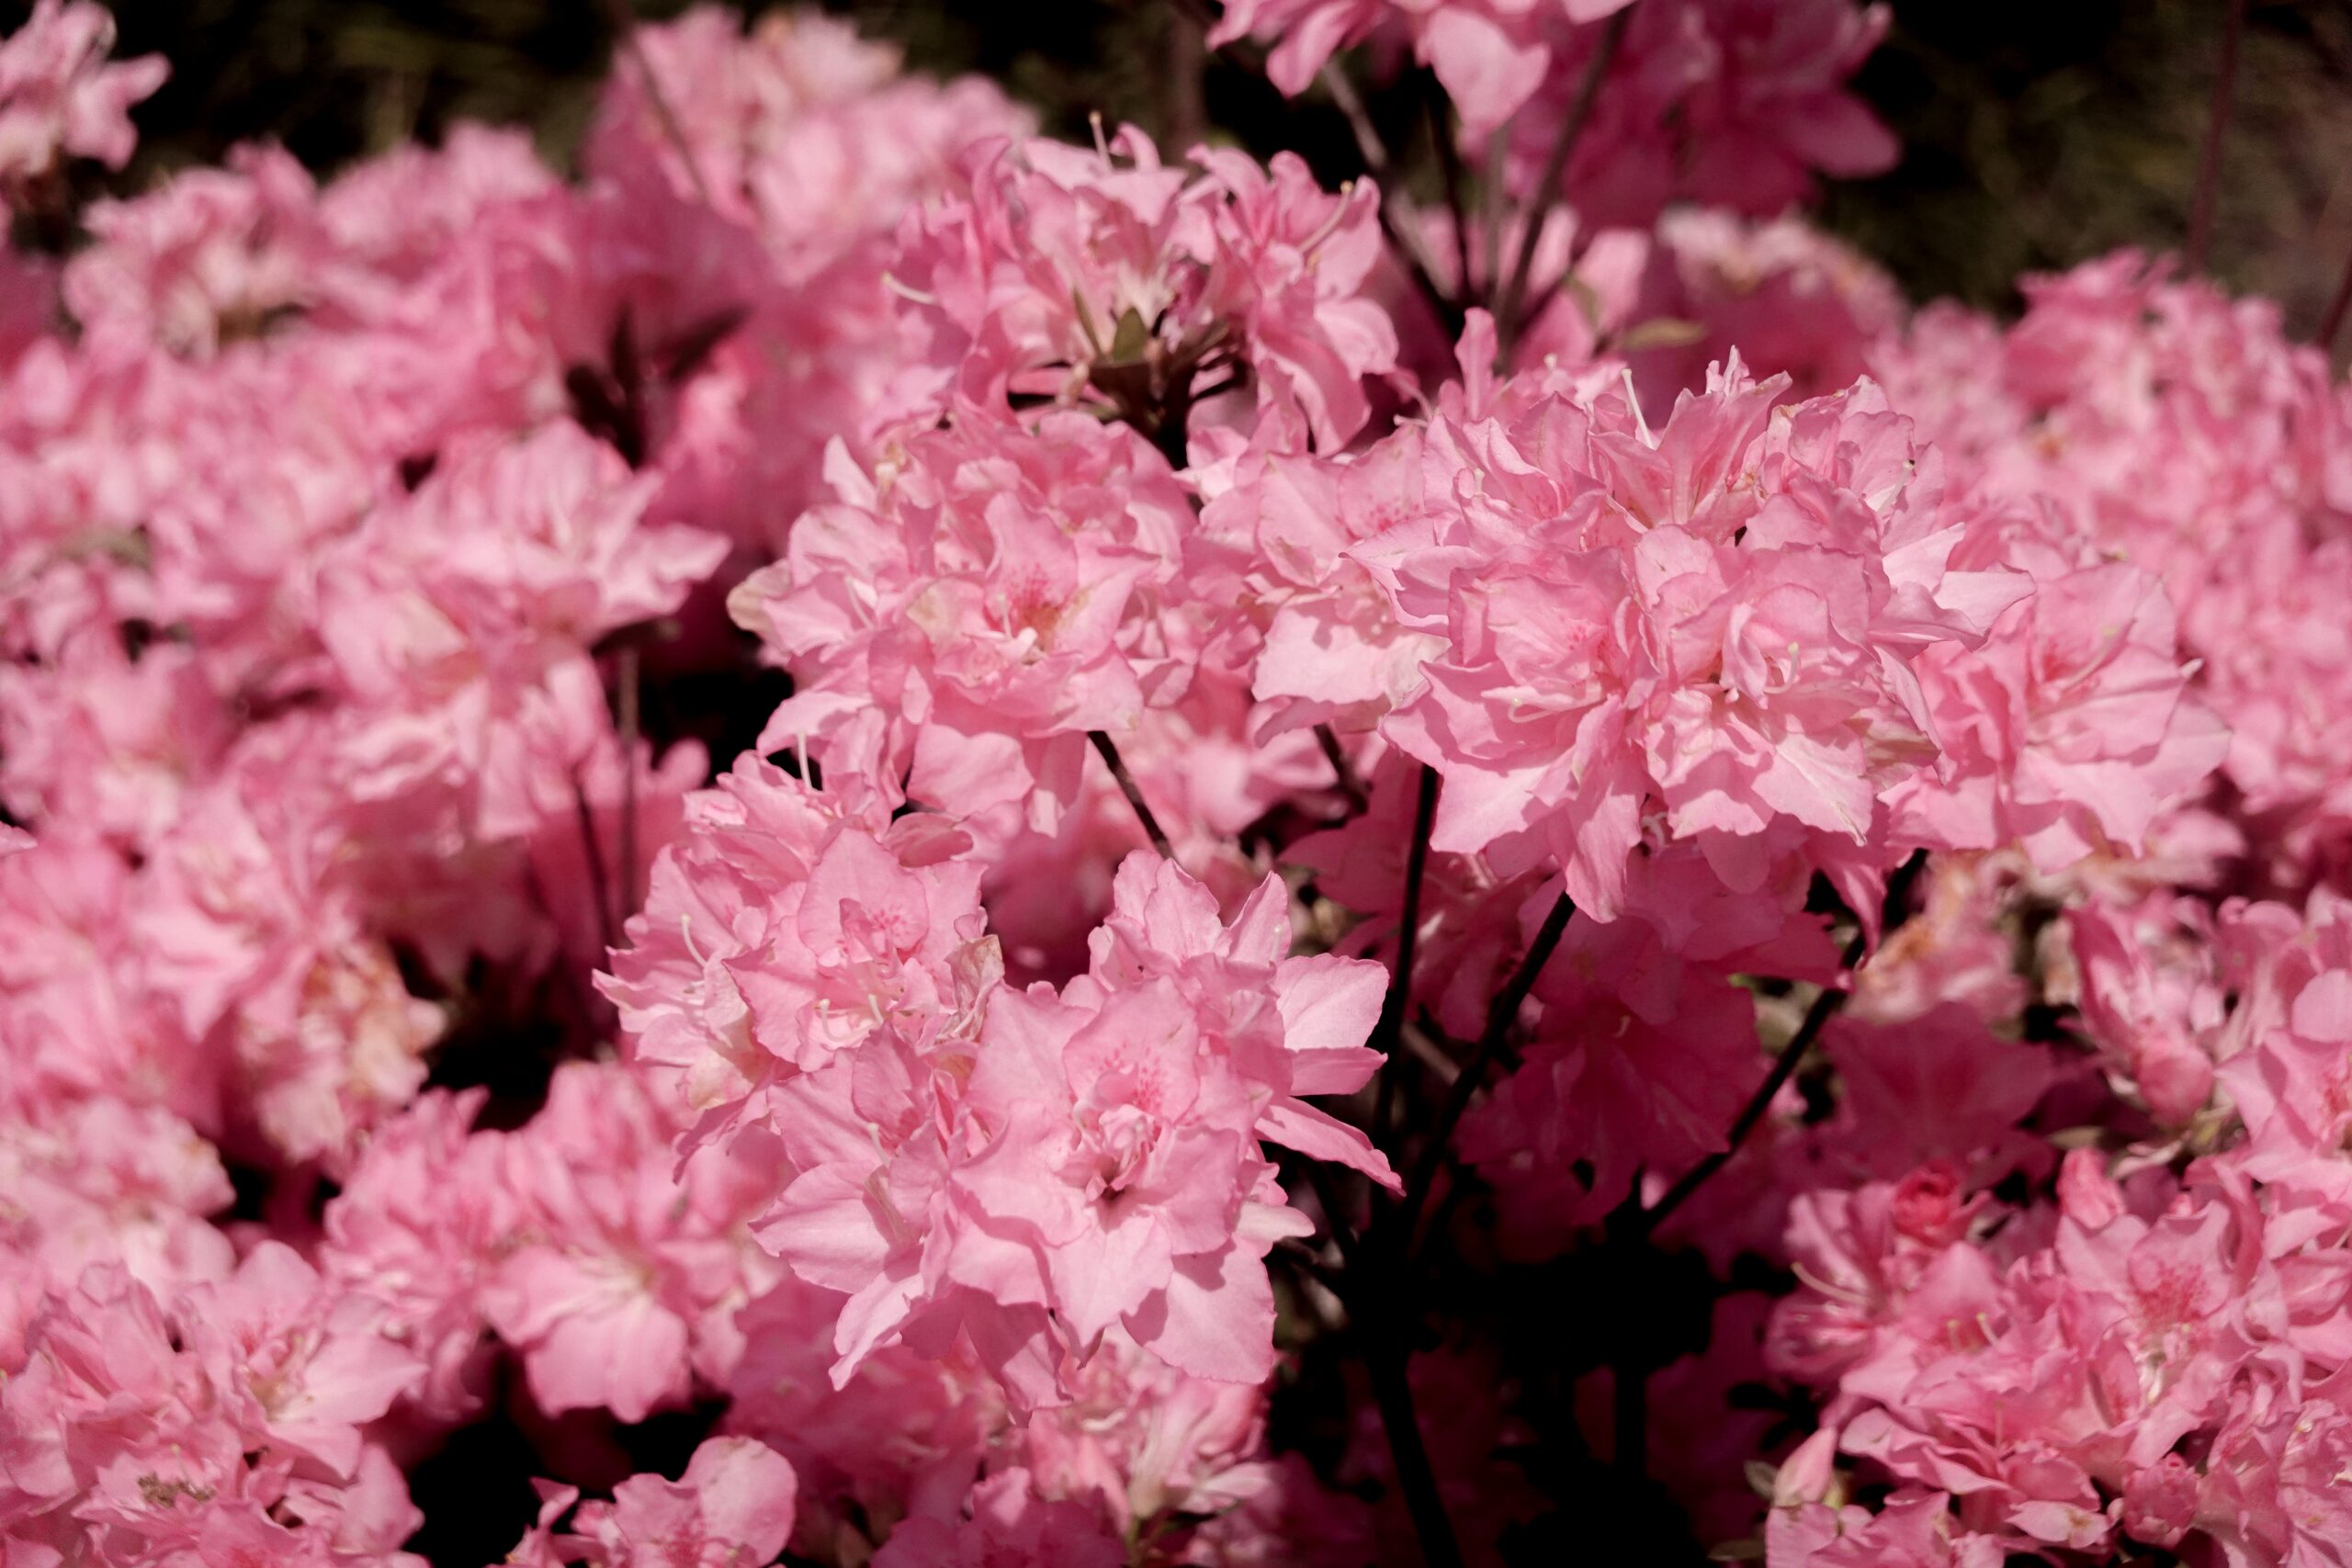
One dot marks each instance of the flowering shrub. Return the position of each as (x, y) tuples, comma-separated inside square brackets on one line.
[(868, 840)]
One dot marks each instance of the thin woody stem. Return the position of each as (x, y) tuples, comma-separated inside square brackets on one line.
[(1493, 201), (1386, 1034), (1393, 1392), (1343, 770), (567, 975), (1825, 1007), (1401, 234), (2332, 323), (624, 23), (1372, 1289), (1816, 1018), (2217, 125), (1555, 167), (1448, 159), (1109, 751), (1501, 1015), (1186, 109), (591, 847), (1383, 1308), (1631, 1225), (629, 726), (1369, 145)]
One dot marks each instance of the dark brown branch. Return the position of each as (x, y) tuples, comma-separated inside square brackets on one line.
[(2217, 125), (1186, 108), (1386, 1033), (1336, 1219), (1109, 751), (1493, 201), (1379, 1303), (1501, 1015), (592, 846), (629, 726), (1631, 1227), (623, 25), (1375, 1298), (1555, 167), (1448, 160), (583, 1001), (1393, 221), (1343, 770), (2332, 323), (1369, 146), (1824, 1007), (1393, 1392)]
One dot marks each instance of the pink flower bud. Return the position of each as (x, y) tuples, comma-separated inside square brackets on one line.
[(2160, 1502)]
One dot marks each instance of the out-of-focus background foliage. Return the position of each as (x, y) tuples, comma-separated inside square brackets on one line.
[(2036, 133)]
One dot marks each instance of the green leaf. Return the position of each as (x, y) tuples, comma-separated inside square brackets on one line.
[(1132, 341)]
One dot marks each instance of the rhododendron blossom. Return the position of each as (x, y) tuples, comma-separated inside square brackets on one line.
[(1087, 1159), (1491, 57), (1721, 625), (959, 634), (789, 924), (1112, 280), (60, 95), (847, 836)]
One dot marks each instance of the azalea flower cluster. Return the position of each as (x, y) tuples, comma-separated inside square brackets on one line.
[(870, 839)]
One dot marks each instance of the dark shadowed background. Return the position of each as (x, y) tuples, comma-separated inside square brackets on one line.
[(2036, 134)]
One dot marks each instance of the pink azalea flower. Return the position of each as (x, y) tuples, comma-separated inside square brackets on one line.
[(110, 744), (1092, 1158), (28, 304), (2071, 728), (1720, 629), (373, 555), (101, 1182), (322, 1034), (904, 1432), (1208, 784), (1726, 103), (1004, 1521), (1627, 1071), (223, 1430), (1137, 288), (306, 1364), (1276, 551), (797, 127), (1790, 299), (624, 1270), (789, 924), (2180, 430), (59, 93), (965, 626), (1490, 54), (78, 1019), (464, 648), (207, 260), (1916, 1529), (733, 1504), (2151, 998), (419, 1227)]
